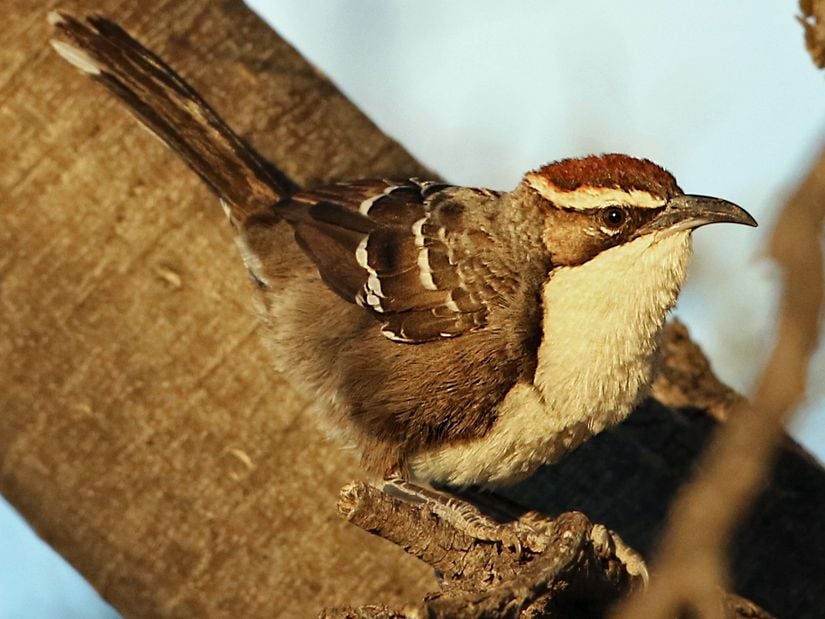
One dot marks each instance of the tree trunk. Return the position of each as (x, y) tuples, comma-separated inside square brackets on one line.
[(142, 432)]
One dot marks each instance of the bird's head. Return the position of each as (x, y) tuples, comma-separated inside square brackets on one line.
[(594, 203)]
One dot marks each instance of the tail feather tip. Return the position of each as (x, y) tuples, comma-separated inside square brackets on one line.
[(76, 57), (55, 18)]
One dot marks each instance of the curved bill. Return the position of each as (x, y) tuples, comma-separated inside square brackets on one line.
[(686, 212)]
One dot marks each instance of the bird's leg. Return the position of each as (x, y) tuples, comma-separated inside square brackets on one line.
[(466, 517)]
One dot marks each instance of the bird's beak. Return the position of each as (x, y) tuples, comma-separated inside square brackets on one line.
[(687, 212)]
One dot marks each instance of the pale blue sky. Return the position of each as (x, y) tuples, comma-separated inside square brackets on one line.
[(720, 93)]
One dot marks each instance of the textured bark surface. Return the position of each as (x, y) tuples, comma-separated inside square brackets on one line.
[(567, 570), (141, 431)]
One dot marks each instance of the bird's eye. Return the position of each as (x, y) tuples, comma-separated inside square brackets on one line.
[(614, 217)]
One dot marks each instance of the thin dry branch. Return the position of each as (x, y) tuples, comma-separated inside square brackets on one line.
[(692, 563)]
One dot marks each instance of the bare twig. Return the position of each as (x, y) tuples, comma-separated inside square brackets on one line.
[(691, 565)]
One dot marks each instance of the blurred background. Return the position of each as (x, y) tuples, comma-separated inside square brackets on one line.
[(722, 94)]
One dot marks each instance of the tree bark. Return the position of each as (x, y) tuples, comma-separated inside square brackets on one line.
[(141, 431)]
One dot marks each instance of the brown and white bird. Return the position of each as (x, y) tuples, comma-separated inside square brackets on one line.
[(451, 334)]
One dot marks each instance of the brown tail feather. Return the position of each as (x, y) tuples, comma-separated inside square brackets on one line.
[(172, 110)]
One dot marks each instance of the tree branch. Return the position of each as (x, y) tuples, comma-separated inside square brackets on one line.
[(140, 432)]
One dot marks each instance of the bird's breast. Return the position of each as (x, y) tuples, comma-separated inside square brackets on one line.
[(601, 325)]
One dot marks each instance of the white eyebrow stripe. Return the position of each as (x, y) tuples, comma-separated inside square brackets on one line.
[(592, 197)]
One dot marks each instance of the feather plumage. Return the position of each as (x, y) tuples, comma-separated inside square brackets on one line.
[(404, 251)]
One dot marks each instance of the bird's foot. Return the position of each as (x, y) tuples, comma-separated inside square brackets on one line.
[(466, 517), (608, 542)]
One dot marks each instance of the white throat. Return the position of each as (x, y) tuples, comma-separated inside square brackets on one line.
[(602, 322)]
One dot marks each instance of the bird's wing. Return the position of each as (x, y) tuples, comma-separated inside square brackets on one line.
[(403, 252)]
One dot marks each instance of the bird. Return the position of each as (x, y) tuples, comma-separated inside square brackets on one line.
[(465, 336), (451, 335)]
